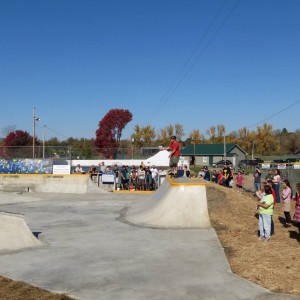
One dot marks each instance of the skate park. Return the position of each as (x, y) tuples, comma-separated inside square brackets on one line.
[(103, 245)]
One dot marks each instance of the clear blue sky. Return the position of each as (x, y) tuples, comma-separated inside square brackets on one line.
[(195, 62)]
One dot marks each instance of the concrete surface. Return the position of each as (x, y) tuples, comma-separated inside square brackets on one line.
[(180, 203), (90, 254), (14, 233)]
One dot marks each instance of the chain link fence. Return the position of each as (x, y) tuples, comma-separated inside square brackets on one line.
[(291, 172), (68, 152)]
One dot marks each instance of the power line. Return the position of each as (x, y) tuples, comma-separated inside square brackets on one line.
[(180, 77), (190, 57), (54, 131), (268, 118)]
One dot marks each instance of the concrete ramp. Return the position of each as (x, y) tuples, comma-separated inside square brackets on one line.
[(178, 203), (14, 233)]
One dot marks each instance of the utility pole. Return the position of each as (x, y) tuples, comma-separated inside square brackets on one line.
[(44, 136), (224, 147), (34, 119)]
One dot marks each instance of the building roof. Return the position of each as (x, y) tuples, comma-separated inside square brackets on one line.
[(208, 149)]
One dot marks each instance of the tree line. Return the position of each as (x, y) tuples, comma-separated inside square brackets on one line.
[(108, 137)]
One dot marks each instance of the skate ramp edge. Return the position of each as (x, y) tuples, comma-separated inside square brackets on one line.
[(15, 234), (178, 203)]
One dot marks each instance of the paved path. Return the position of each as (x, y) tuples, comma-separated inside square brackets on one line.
[(90, 254)]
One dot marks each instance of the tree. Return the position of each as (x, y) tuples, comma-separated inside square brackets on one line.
[(165, 134), (18, 138), (144, 136), (196, 136), (137, 137), (15, 144), (148, 135), (220, 133), (211, 132), (245, 139), (265, 139), (110, 129)]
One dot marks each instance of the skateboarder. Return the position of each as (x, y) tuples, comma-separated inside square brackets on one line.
[(174, 155)]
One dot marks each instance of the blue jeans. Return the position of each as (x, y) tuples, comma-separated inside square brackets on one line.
[(264, 223), (256, 186), (277, 192)]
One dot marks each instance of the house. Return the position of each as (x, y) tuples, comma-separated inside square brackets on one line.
[(207, 154)]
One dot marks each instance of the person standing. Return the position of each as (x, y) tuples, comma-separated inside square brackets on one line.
[(276, 181), (154, 173), (141, 178), (102, 168), (257, 180), (174, 155), (297, 209), (124, 181), (206, 174), (226, 175), (148, 178), (116, 172), (214, 176), (265, 210), (220, 177), (286, 199), (269, 175), (239, 180)]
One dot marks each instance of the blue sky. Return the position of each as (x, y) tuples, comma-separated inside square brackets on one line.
[(195, 62)]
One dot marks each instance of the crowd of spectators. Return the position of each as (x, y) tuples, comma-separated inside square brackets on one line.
[(273, 190), (144, 178)]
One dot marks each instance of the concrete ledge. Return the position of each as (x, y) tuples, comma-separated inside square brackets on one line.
[(44, 183)]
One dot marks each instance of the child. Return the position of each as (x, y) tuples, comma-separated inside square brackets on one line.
[(239, 181)]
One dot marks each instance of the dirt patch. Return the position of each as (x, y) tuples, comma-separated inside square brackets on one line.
[(274, 265), (17, 290)]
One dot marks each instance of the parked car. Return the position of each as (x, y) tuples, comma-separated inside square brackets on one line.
[(259, 160), (292, 160), (250, 162), (279, 161), (221, 163)]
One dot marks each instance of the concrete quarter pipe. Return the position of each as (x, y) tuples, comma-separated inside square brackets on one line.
[(14, 233), (178, 203)]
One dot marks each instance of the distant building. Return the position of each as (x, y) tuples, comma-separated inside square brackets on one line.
[(207, 154)]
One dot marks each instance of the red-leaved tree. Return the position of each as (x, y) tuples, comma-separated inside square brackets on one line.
[(18, 138), (16, 144), (110, 131)]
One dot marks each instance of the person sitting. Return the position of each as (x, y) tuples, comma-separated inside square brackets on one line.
[(187, 172), (78, 169), (201, 173), (92, 172)]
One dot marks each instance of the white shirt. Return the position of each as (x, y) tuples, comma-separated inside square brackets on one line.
[(154, 172)]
